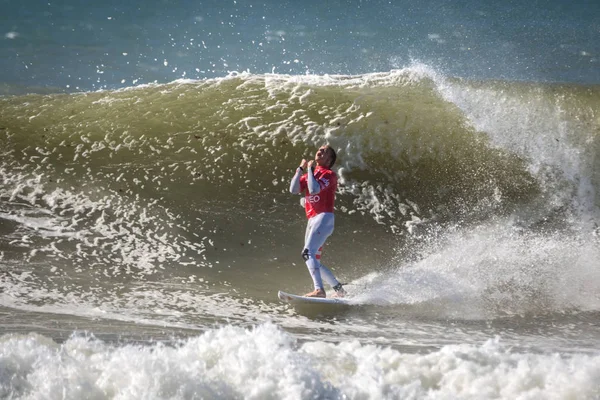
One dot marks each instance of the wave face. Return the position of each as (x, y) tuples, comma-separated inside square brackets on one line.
[(487, 184)]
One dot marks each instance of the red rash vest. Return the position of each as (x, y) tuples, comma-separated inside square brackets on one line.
[(325, 199)]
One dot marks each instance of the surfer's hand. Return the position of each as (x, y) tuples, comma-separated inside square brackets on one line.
[(303, 164)]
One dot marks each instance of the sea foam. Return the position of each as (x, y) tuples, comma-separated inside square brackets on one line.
[(267, 363)]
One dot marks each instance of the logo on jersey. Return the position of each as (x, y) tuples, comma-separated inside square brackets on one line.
[(314, 198), (325, 181)]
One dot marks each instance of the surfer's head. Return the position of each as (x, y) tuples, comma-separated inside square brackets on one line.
[(325, 156)]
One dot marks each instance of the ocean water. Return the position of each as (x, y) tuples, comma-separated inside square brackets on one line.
[(146, 226)]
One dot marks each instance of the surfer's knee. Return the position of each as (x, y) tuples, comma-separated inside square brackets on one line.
[(305, 255)]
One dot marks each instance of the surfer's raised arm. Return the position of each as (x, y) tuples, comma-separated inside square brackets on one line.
[(295, 183), (313, 184)]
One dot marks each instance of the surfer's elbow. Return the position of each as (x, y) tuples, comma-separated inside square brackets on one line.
[(314, 189)]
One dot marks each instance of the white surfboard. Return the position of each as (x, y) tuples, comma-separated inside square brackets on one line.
[(295, 299)]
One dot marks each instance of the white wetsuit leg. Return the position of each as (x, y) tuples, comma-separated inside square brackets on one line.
[(319, 228)]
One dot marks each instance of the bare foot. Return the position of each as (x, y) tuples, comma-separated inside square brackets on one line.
[(316, 293)]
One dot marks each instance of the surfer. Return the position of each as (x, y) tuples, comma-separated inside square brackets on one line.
[(319, 186)]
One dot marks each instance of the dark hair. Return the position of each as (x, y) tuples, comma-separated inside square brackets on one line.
[(333, 155)]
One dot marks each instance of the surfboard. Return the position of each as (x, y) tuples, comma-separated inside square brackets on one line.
[(295, 299)]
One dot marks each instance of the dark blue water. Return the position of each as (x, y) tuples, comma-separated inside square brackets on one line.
[(75, 45)]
